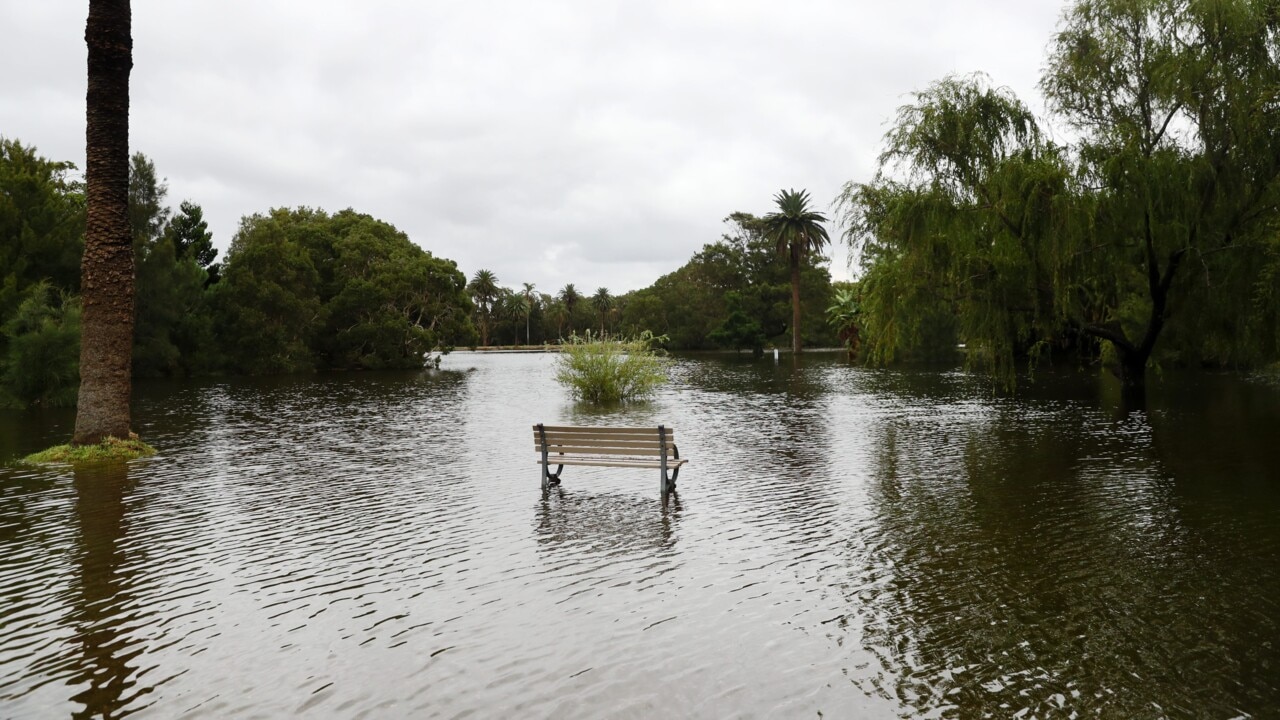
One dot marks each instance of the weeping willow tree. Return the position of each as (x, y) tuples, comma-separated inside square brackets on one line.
[(971, 239), (1164, 211)]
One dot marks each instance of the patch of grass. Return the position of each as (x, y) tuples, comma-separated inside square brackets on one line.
[(111, 450)]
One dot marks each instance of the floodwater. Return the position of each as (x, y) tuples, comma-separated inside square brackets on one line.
[(845, 543)]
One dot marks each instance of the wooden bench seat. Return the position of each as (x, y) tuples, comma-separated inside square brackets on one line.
[(647, 447)]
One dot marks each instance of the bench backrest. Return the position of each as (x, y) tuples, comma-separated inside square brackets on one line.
[(602, 440)]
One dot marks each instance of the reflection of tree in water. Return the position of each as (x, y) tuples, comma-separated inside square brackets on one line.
[(1035, 565), (607, 524), (801, 378), (101, 597)]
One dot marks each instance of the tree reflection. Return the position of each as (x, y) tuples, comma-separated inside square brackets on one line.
[(103, 590), (1028, 562)]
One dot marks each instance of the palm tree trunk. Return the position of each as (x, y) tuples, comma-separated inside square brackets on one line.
[(795, 300), (107, 267)]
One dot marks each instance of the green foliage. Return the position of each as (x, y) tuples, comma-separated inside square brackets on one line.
[(739, 330), (302, 289), (485, 294), (603, 302), (843, 316), (600, 369), (148, 214), (689, 306), (268, 303), (41, 364), (795, 230), (173, 332), (797, 233), (959, 247), (190, 236), (173, 326), (1162, 215), (41, 224)]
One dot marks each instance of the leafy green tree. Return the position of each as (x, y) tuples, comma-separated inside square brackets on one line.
[(1162, 213), (174, 326), (268, 302), (508, 310), (959, 242), (386, 312), (843, 314), (148, 215), (380, 301), (690, 305), (798, 233), (107, 270), (191, 238), (42, 347), (41, 224), (739, 330), (1175, 102)]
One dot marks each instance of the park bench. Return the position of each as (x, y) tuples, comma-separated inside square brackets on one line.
[(648, 447)]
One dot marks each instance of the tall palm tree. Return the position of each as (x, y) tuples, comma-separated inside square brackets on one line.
[(528, 309), (798, 232), (570, 297), (484, 291), (107, 266), (511, 305), (560, 313), (602, 301)]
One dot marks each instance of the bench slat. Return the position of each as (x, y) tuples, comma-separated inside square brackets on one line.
[(624, 445), (616, 437), (595, 450), (606, 462), (651, 431)]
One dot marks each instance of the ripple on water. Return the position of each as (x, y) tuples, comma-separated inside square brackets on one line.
[(864, 544)]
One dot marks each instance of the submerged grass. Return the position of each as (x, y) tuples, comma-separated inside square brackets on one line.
[(110, 450)]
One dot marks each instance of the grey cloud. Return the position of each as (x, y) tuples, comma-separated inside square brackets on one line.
[(573, 141)]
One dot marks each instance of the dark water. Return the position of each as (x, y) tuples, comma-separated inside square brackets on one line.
[(845, 543)]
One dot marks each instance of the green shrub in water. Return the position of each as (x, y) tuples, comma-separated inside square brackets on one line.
[(600, 369)]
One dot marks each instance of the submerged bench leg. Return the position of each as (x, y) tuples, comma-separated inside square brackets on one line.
[(548, 478)]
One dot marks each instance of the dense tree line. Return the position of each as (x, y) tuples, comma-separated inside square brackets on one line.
[(732, 294), (299, 289)]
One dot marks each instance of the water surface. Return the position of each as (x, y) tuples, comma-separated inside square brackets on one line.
[(845, 542)]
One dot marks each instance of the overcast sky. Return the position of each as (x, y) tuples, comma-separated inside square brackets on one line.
[(585, 141)]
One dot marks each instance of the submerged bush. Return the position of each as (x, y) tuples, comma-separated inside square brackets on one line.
[(602, 369)]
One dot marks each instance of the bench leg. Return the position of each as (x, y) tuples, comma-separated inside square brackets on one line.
[(550, 478), (668, 484)]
